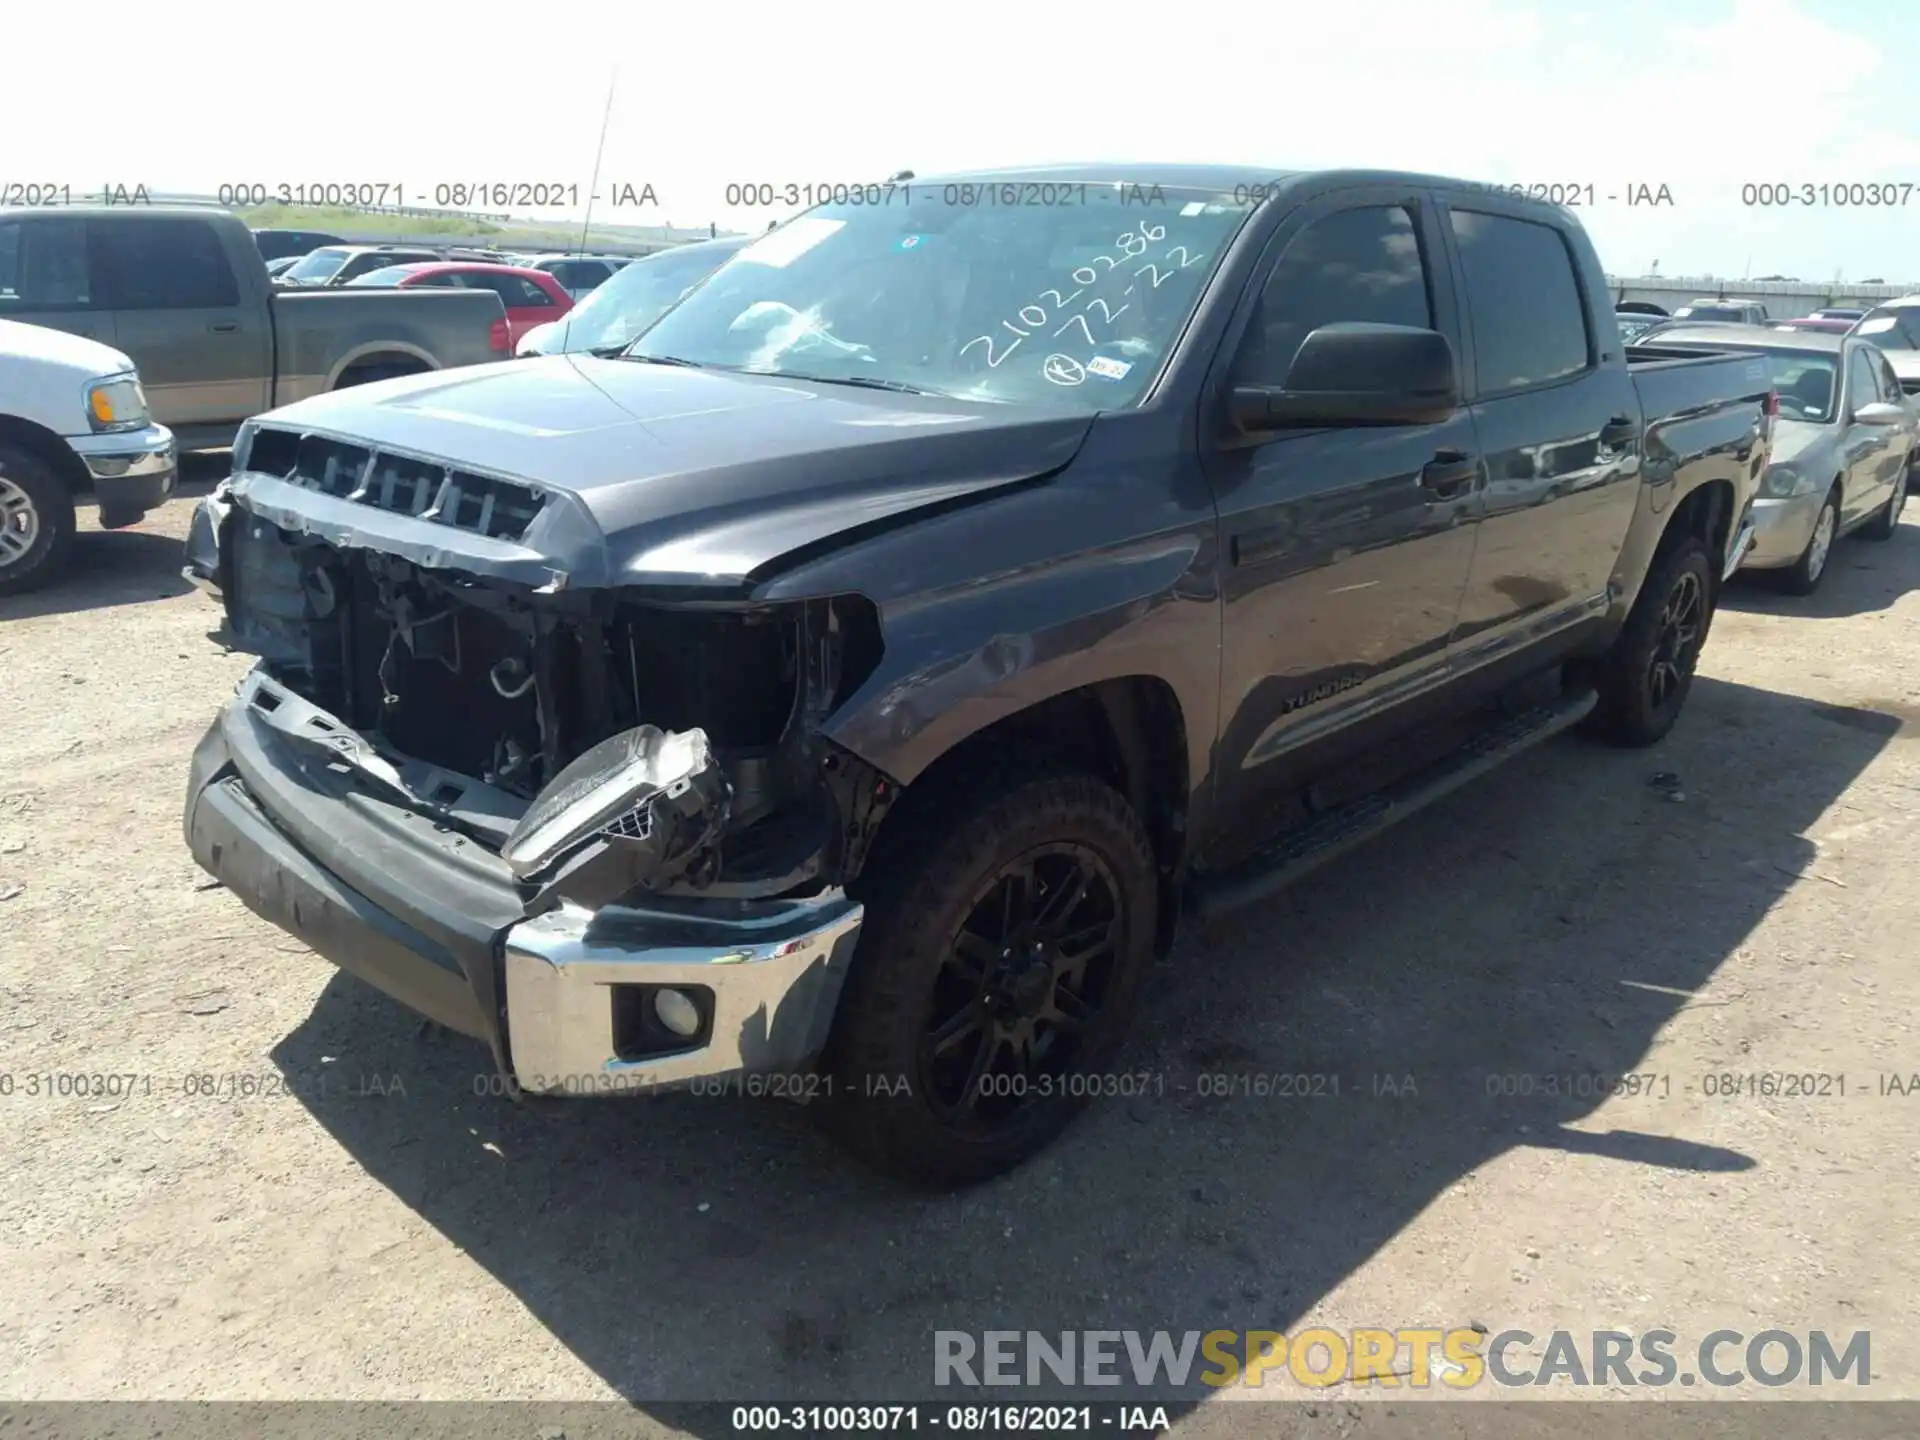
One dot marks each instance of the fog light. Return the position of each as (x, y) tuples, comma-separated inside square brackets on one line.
[(677, 1013)]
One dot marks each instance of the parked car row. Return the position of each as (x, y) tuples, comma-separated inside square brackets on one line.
[(1849, 446), (301, 257)]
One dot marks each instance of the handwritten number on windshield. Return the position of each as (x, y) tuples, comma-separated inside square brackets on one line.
[(1132, 246)]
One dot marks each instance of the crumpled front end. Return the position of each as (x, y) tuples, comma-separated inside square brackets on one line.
[(599, 829)]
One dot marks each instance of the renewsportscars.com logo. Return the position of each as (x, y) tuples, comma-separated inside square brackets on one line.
[(1419, 1358)]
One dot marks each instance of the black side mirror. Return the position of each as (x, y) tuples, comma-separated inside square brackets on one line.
[(1358, 374)]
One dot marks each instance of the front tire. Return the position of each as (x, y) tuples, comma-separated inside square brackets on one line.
[(1808, 571), (36, 521), (1009, 925), (1644, 679)]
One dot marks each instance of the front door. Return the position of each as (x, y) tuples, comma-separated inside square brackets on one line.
[(1875, 454), (1345, 551)]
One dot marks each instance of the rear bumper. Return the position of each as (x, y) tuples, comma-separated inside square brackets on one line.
[(132, 471), (433, 918)]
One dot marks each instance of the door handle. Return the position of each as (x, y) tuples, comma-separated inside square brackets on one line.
[(1449, 472), (224, 327), (1618, 431)]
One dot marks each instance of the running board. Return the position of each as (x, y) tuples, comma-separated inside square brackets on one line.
[(1334, 832)]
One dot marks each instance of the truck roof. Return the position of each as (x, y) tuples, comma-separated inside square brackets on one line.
[(1213, 177), (95, 212)]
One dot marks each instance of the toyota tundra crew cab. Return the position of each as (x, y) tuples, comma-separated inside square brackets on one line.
[(860, 674), (184, 292)]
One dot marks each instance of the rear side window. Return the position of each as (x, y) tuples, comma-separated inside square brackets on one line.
[(43, 267), (164, 265), (1356, 265), (1528, 321)]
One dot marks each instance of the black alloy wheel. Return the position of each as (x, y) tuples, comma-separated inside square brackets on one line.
[(1027, 973)]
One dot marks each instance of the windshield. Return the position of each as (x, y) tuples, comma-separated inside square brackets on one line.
[(1632, 326), (385, 275), (1077, 301), (1892, 327), (318, 265), (636, 296), (1732, 313), (1805, 383)]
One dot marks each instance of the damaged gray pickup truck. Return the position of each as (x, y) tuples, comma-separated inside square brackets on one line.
[(849, 684)]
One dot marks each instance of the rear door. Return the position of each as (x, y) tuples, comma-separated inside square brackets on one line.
[(1559, 430), (48, 277), (204, 350), (1345, 549)]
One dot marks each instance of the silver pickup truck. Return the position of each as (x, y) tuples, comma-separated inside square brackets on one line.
[(184, 293)]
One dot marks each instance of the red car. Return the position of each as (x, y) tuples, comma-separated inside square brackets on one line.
[(531, 297)]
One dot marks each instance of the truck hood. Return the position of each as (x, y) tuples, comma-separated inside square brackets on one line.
[(657, 474), (86, 359)]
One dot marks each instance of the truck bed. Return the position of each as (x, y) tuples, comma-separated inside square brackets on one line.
[(319, 332)]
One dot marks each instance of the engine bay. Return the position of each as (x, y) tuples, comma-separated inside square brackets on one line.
[(510, 686)]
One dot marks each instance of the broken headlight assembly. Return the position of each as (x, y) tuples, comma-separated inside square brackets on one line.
[(639, 810)]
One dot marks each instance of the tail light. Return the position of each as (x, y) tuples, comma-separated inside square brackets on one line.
[(1773, 402), (498, 338)]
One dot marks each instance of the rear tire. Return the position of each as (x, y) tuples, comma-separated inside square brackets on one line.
[(964, 1042), (1811, 568), (1645, 678), (1886, 519), (36, 521)]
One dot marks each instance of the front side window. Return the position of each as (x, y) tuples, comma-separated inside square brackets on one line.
[(1356, 265), (1863, 386), (1528, 320), (164, 265), (43, 267), (950, 293)]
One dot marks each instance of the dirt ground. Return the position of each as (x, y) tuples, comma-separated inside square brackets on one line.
[(373, 1229)]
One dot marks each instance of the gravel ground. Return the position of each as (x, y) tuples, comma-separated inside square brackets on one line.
[(367, 1227)]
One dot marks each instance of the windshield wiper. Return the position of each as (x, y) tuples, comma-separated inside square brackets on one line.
[(623, 354), (865, 382)]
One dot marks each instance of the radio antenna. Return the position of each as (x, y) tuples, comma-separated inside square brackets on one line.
[(593, 188)]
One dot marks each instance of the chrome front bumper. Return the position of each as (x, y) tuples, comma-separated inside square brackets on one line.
[(283, 808), (133, 471), (767, 983)]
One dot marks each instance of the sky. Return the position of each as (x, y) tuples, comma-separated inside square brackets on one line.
[(1703, 97)]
